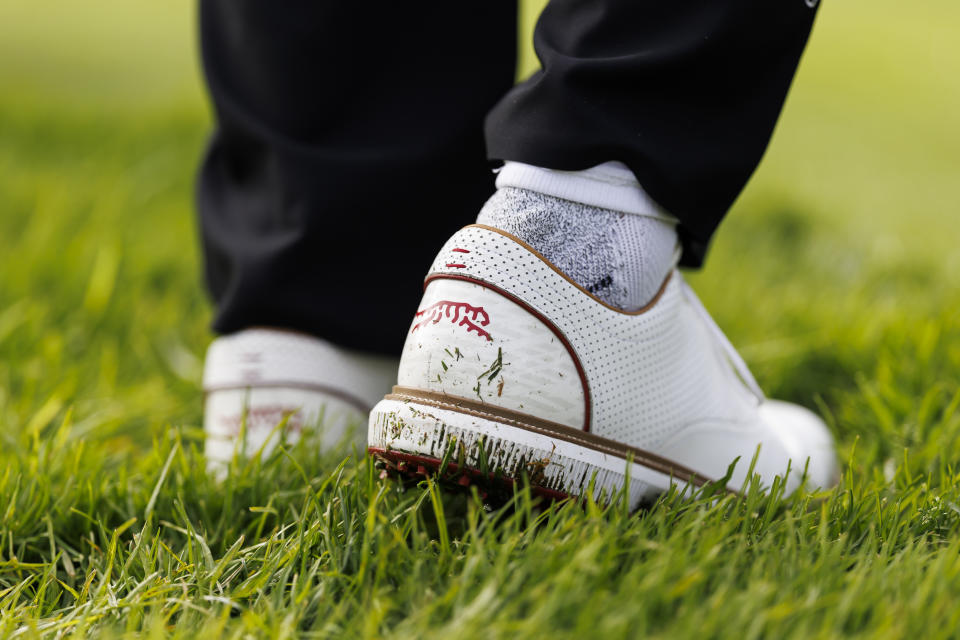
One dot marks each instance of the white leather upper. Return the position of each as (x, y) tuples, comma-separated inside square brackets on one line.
[(272, 358), (649, 374), (658, 380)]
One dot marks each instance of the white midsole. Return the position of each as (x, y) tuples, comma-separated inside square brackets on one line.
[(420, 429)]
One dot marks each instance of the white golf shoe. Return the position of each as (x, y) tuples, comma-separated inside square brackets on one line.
[(511, 368), (254, 380)]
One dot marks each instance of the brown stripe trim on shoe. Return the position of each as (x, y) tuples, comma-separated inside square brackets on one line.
[(355, 402), (548, 428)]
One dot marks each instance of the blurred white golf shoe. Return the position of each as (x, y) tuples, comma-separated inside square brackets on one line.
[(255, 379)]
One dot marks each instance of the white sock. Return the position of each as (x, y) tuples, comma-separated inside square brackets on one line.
[(598, 226)]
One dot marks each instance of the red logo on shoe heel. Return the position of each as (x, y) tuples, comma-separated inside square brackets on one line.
[(473, 317)]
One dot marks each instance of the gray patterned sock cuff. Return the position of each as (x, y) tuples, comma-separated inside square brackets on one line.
[(621, 258)]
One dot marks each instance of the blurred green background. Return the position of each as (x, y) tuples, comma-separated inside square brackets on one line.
[(836, 275), (871, 125), (846, 236)]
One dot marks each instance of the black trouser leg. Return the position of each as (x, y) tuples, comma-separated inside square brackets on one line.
[(348, 147), (686, 93)]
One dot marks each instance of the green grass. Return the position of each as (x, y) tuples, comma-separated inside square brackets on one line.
[(837, 274)]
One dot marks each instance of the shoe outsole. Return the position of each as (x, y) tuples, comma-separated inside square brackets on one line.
[(492, 488), (405, 436)]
